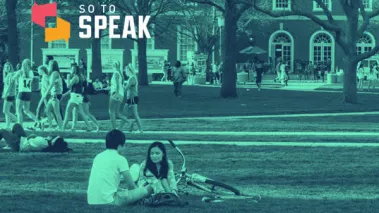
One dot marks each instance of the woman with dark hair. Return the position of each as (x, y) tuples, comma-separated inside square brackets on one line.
[(158, 169), (87, 104), (18, 141), (76, 83), (83, 67), (179, 77)]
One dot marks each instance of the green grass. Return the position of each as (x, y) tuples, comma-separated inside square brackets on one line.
[(290, 179), (297, 124), (158, 101)]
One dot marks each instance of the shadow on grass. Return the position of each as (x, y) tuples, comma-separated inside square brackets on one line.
[(50, 203)]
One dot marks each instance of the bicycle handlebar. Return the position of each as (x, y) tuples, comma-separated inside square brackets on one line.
[(181, 154), (172, 143)]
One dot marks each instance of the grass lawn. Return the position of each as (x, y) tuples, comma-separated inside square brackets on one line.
[(290, 179), (297, 124), (158, 101)]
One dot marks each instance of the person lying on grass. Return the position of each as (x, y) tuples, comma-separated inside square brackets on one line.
[(157, 168), (18, 141), (107, 169)]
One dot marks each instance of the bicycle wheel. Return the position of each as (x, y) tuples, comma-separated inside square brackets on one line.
[(214, 187), (222, 188)]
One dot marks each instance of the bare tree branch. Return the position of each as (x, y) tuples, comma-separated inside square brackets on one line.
[(363, 56), (326, 11), (297, 12), (218, 7), (243, 9), (374, 13), (366, 20)]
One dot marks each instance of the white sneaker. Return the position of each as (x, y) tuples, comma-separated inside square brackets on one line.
[(7, 147)]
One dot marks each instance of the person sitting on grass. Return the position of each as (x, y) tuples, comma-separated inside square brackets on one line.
[(18, 141), (157, 168), (107, 169)]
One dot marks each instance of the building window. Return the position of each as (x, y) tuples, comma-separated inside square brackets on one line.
[(150, 43), (281, 48), (61, 44), (281, 4), (365, 43), (317, 7), (367, 4), (185, 44), (106, 42), (322, 48)]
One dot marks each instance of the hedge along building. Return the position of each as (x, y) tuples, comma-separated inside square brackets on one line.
[(297, 38)]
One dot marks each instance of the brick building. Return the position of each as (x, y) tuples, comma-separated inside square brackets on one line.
[(291, 38), (298, 38)]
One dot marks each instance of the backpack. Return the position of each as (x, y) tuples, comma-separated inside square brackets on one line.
[(163, 199), (57, 144)]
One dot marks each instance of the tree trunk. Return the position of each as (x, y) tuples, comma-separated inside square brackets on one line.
[(350, 74), (350, 81), (142, 62), (13, 47), (229, 44), (209, 61), (96, 67)]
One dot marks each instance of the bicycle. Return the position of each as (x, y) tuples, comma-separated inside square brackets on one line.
[(220, 191)]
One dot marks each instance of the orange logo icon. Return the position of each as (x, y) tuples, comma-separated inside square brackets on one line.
[(63, 28)]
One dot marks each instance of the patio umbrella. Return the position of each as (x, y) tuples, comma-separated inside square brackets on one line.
[(253, 50)]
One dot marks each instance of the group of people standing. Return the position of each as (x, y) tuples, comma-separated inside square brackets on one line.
[(307, 70), (371, 75), (18, 93)]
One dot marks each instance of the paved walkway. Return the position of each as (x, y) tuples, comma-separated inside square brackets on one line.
[(294, 85), (2, 124), (241, 143), (273, 116)]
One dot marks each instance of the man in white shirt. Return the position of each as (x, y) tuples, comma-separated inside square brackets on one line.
[(106, 172)]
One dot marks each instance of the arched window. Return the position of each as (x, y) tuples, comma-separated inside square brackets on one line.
[(365, 43), (281, 46), (322, 47)]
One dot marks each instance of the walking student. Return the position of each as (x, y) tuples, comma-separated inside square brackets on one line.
[(179, 77)]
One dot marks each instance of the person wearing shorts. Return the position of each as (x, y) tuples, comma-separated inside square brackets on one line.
[(116, 95), (44, 73), (132, 98), (9, 94), (87, 104), (107, 169), (24, 77), (76, 99), (55, 91)]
